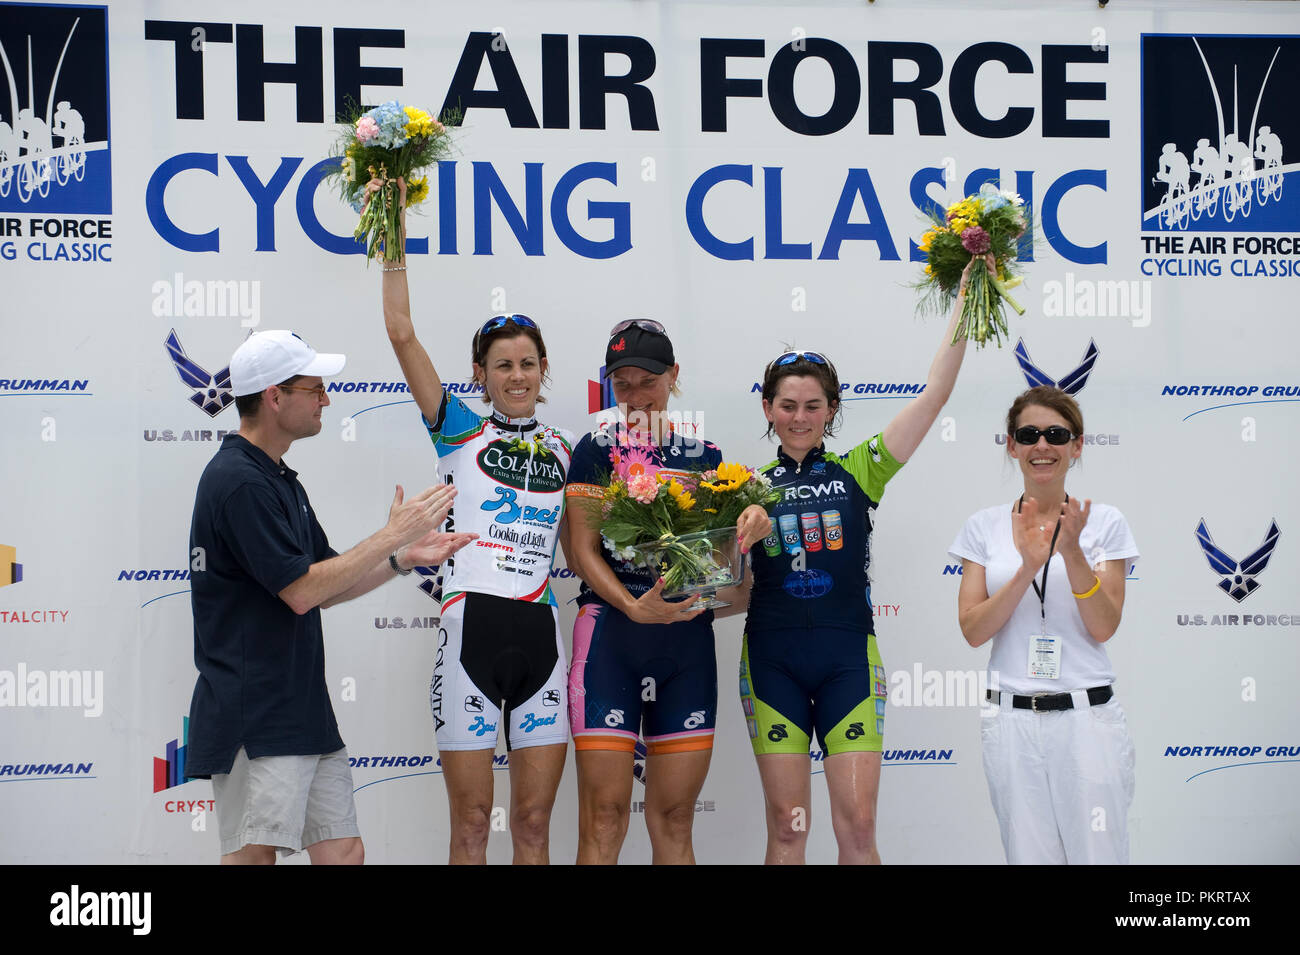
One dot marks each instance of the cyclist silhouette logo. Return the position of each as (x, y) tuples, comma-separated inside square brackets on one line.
[(54, 153), (1219, 100)]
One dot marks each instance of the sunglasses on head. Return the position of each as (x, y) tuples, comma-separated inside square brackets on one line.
[(790, 357), (495, 324), (1054, 435), (647, 324)]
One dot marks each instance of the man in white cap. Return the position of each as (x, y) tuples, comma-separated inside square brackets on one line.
[(261, 723)]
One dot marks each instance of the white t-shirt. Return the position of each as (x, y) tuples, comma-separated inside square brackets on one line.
[(986, 540)]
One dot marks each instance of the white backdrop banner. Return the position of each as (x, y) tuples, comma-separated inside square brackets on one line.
[(756, 177)]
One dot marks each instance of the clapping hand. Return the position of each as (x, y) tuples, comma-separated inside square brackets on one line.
[(1032, 533), (432, 549), (1073, 518)]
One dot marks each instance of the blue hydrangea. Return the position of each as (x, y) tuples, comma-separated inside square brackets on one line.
[(392, 125), (991, 198)]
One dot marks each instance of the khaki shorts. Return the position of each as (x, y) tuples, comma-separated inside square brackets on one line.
[(289, 802)]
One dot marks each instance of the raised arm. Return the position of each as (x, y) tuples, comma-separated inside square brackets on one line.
[(417, 367), (904, 433)]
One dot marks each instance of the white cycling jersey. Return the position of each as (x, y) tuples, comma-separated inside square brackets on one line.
[(509, 475)]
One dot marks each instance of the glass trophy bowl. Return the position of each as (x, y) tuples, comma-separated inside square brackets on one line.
[(698, 564)]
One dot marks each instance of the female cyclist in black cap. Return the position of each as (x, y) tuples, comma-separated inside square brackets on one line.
[(641, 665)]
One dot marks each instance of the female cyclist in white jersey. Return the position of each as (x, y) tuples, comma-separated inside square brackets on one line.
[(500, 666)]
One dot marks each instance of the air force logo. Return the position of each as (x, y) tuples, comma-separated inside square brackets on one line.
[(213, 392), (1239, 578), (1071, 384)]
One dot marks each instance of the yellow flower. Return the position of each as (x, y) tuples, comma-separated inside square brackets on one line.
[(959, 225), (730, 477), (418, 122), (927, 239), (417, 190), (928, 271), (680, 494)]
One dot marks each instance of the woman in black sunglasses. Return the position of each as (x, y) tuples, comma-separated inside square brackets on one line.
[(809, 664), (500, 664), (1043, 579)]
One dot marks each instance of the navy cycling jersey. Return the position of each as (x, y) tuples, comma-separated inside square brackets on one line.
[(589, 474), (814, 570)]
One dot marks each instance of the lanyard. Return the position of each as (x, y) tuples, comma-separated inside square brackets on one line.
[(1042, 591)]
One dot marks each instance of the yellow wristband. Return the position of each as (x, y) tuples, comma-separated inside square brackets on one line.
[(1096, 585)]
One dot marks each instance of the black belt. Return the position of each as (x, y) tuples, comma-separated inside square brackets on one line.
[(1043, 702)]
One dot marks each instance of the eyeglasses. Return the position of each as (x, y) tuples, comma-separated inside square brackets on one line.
[(318, 391), (1054, 435), (495, 324), (647, 324), (790, 357)]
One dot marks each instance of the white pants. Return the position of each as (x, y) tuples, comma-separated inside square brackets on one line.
[(1061, 782)]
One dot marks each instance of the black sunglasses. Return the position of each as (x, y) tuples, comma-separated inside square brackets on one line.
[(1054, 435), (790, 357)]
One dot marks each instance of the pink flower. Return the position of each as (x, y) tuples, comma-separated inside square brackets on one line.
[(637, 462), (975, 240), (643, 488), (367, 129)]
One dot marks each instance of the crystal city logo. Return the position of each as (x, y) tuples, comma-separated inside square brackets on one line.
[(1236, 578), (600, 393), (11, 572), (1071, 383), (61, 52), (1217, 112), (169, 771)]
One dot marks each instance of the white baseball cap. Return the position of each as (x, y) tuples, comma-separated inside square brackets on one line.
[(268, 358)]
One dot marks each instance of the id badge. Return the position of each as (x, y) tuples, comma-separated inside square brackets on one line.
[(1044, 657)]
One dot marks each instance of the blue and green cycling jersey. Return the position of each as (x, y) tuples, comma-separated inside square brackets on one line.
[(813, 571)]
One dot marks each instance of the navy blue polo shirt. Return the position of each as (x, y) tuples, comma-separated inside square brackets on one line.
[(261, 666)]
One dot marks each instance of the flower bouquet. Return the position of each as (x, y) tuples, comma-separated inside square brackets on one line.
[(387, 143), (985, 226), (678, 525)]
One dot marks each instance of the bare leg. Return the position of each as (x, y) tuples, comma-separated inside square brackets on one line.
[(604, 801), (469, 797), (250, 855), (349, 851), (854, 782), (534, 777), (787, 793), (674, 781)]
